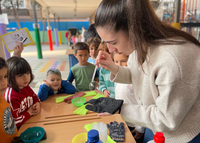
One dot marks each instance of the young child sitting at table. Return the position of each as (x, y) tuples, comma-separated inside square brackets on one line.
[(93, 44), (23, 101), (105, 85), (126, 93), (54, 85), (83, 71), (8, 128)]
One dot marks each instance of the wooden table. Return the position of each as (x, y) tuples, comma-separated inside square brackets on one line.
[(61, 124), (72, 59), (50, 110), (63, 131)]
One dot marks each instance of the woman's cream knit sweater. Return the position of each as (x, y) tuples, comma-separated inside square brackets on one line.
[(167, 91)]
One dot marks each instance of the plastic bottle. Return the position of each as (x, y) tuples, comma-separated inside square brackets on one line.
[(93, 137), (158, 138)]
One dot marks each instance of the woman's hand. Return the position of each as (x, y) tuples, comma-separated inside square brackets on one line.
[(104, 114), (106, 62), (18, 49)]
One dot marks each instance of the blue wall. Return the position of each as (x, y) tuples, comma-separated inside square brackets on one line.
[(63, 25)]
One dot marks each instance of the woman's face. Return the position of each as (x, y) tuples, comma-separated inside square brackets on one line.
[(116, 41)]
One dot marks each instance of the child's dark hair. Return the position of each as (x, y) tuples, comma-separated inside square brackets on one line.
[(81, 46), (16, 66), (94, 41), (114, 53), (2, 63), (103, 47)]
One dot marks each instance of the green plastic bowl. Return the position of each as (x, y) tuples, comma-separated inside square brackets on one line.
[(78, 101), (32, 135)]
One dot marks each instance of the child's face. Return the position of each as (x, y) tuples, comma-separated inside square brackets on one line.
[(22, 80), (3, 80), (120, 59), (93, 51), (55, 81), (82, 56)]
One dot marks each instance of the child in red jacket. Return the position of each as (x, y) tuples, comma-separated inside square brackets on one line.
[(24, 103)]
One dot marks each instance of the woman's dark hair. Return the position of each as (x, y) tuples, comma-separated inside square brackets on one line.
[(91, 32), (2, 63), (138, 19), (94, 41), (16, 66), (81, 46)]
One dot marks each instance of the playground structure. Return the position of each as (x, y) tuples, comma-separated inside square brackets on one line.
[(189, 15)]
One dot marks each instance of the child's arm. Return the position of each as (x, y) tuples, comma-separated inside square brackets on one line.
[(20, 118), (70, 77), (102, 85), (43, 92), (35, 98), (69, 88)]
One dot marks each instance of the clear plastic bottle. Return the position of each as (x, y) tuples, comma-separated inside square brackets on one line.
[(158, 138), (93, 137)]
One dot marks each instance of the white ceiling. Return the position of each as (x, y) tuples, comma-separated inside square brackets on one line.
[(66, 8)]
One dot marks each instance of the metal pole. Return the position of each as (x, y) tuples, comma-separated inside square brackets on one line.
[(58, 24), (59, 32), (47, 14), (54, 20), (177, 11), (55, 31), (3, 30), (49, 30), (37, 32)]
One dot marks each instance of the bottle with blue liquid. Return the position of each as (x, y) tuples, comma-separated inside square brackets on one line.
[(93, 137)]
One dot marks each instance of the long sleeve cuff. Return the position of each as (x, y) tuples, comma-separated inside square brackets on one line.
[(123, 76)]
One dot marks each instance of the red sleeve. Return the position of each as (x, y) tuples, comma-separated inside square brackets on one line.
[(35, 98), (20, 118)]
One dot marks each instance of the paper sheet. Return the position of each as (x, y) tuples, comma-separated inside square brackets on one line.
[(22, 36)]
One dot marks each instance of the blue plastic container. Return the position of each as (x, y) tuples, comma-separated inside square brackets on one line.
[(93, 137), (32, 135)]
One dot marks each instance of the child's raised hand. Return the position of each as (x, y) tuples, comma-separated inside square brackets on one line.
[(45, 82), (18, 49), (106, 93)]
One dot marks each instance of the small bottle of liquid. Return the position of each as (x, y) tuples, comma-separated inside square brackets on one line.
[(93, 137), (158, 138)]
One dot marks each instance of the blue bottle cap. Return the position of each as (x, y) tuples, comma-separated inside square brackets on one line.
[(93, 136)]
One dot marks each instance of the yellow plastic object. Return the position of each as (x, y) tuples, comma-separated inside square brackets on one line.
[(81, 110), (80, 138), (78, 101), (88, 127), (61, 99), (176, 25), (98, 96), (91, 93)]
